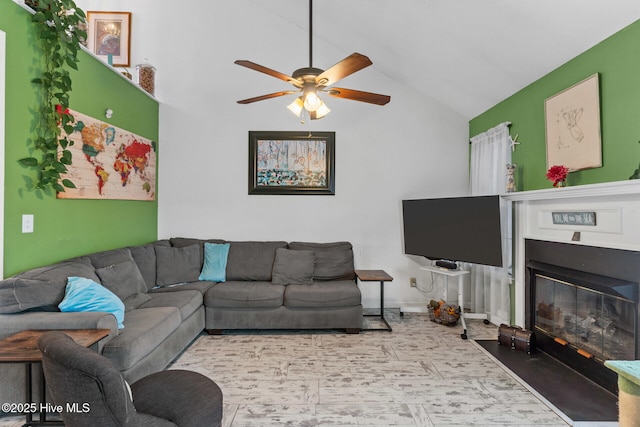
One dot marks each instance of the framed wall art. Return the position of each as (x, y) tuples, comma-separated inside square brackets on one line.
[(573, 126), (109, 36), (291, 162)]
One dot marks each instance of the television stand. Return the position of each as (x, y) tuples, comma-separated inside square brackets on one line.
[(460, 275)]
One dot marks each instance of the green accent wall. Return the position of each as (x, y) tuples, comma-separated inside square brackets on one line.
[(617, 60), (66, 228)]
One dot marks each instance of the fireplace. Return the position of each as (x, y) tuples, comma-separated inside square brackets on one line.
[(582, 303)]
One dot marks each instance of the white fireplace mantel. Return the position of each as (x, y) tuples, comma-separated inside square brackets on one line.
[(631, 186), (617, 209)]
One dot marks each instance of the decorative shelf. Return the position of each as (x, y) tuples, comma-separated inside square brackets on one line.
[(113, 69)]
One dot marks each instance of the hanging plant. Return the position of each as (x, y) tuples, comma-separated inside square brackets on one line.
[(58, 38)]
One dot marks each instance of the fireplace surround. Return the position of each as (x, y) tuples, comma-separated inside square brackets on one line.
[(590, 253), (582, 303)]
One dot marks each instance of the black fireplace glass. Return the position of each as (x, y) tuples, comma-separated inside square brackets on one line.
[(599, 324)]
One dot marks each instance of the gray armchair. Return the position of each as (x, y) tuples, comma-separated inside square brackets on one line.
[(75, 374)]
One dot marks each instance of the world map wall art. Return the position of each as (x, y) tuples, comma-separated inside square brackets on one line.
[(109, 162)]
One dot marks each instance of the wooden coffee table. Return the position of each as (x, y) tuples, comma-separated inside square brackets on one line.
[(23, 348)]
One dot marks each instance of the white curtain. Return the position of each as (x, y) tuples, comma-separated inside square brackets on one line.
[(490, 154)]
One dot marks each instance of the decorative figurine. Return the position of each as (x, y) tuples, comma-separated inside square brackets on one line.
[(511, 180)]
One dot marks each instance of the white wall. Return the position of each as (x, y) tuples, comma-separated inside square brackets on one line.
[(411, 148)]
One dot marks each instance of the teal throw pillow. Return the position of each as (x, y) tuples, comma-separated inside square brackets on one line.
[(214, 268), (86, 295)]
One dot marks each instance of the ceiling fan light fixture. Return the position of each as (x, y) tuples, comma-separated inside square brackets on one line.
[(309, 81), (322, 110), (311, 100), (296, 106)]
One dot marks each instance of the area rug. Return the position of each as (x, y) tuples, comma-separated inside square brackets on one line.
[(420, 375), (576, 396)]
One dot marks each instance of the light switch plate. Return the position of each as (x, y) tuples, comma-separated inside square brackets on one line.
[(27, 223)]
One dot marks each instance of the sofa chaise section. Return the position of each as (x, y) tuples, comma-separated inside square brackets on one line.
[(157, 327)]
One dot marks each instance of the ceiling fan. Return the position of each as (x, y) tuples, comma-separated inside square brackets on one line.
[(310, 82)]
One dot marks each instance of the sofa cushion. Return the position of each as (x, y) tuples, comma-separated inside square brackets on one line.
[(250, 294), (110, 257), (293, 267), (177, 265), (18, 295), (334, 261), (59, 273), (29, 289), (145, 329), (86, 295), (134, 301), (123, 279), (181, 242), (188, 302), (252, 260), (200, 286), (337, 293), (215, 262), (145, 257)]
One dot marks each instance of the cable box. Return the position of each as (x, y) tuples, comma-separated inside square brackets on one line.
[(449, 265)]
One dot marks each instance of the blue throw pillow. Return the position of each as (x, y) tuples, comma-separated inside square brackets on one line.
[(215, 262), (86, 295)]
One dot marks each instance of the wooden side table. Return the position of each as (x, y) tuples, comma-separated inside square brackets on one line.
[(376, 276), (23, 348)]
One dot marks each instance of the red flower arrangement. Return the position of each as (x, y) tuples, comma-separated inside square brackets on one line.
[(557, 174)]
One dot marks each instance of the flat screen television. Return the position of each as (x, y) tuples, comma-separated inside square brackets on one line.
[(454, 229)]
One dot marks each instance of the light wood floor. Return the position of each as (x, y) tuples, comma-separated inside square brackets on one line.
[(421, 374)]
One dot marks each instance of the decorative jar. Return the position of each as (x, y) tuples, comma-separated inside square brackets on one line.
[(146, 77)]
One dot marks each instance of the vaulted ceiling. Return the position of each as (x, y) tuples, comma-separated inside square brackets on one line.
[(467, 54)]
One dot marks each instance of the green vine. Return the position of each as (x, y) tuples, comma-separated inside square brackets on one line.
[(58, 38)]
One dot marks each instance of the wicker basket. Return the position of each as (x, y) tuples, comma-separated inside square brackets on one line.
[(448, 314)]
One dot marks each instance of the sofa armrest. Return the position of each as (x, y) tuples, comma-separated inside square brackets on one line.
[(13, 323)]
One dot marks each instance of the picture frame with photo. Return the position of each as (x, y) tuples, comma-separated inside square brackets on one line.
[(293, 163), (572, 119), (109, 36)]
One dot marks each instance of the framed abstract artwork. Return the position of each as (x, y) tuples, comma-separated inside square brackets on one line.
[(291, 162), (573, 126), (109, 36)]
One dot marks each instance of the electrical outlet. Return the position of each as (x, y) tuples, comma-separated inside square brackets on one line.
[(412, 282)]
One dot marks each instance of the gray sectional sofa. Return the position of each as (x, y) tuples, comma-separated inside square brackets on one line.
[(268, 285)]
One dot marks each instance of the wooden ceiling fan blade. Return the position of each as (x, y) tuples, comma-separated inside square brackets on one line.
[(268, 96), (349, 65), (358, 95), (268, 71)]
